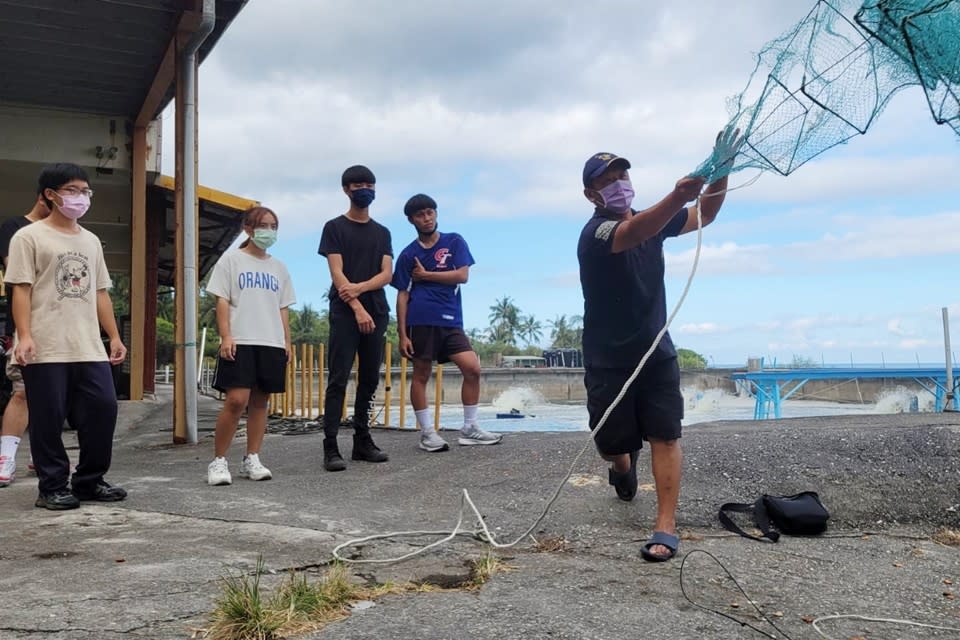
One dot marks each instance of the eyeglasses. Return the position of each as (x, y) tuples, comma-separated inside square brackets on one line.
[(74, 191)]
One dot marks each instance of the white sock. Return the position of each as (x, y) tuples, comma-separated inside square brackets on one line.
[(469, 415), (8, 446), (423, 419)]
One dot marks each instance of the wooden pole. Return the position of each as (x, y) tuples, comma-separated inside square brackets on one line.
[(438, 392), (291, 383), (310, 381), (303, 380), (403, 393), (321, 363), (386, 386)]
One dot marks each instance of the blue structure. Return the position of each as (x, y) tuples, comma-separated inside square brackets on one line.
[(771, 387)]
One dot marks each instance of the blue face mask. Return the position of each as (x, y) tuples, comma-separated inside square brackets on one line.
[(362, 197)]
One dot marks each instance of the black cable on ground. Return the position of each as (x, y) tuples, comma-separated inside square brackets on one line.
[(721, 613)]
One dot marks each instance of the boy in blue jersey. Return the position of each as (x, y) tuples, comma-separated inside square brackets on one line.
[(427, 277)]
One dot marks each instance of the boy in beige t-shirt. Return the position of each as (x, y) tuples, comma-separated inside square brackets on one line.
[(60, 301)]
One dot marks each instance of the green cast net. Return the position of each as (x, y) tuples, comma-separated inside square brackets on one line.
[(828, 79)]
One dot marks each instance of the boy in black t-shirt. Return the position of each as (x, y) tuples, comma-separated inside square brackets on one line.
[(360, 256), (15, 413)]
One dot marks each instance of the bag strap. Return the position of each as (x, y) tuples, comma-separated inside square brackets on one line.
[(760, 518)]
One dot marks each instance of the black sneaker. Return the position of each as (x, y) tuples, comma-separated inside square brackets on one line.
[(364, 449), (101, 492), (625, 483), (57, 501), (332, 460)]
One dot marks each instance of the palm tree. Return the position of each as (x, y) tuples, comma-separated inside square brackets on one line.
[(303, 325), (505, 320), (559, 331), (530, 330), (500, 334), (504, 311)]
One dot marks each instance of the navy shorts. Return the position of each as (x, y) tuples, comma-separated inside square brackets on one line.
[(651, 409), (255, 367), (437, 344)]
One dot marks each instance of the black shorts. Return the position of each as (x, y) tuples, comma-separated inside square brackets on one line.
[(437, 344), (255, 367), (651, 409)]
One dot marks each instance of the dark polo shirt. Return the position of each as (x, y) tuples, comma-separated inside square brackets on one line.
[(624, 297)]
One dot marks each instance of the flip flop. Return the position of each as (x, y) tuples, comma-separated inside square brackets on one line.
[(625, 483), (665, 539)]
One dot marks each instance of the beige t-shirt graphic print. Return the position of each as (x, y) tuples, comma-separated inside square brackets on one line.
[(65, 271)]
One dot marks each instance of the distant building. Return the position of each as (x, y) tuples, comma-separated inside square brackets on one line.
[(563, 358)]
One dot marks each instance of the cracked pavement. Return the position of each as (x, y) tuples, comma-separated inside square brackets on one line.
[(149, 567)]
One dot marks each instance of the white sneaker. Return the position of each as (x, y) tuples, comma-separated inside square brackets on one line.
[(251, 468), (431, 441), (472, 434), (8, 469), (218, 472)]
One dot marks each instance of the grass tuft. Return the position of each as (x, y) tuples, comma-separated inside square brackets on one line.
[(297, 605), (241, 613), (948, 537), (485, 567)]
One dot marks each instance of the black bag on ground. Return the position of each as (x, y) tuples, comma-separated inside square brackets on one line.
[(799, 515)]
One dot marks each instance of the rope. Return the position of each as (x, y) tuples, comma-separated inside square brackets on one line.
[(882, 620)]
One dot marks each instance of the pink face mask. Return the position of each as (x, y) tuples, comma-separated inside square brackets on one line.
[(74, 206), (617, 196)]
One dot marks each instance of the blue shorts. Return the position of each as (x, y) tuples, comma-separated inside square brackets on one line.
[(652, 408)]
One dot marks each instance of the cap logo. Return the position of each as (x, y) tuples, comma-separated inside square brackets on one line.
[(604, 156)]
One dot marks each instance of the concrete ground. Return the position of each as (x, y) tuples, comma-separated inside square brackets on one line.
[(149, 567)]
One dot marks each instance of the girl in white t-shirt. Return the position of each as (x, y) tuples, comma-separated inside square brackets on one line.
[(254, 293)]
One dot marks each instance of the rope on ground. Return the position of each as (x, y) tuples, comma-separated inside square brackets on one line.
[(482, 532), (910, 623)]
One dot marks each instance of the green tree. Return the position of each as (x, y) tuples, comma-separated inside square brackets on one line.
[(691, 359), (165, 308), (530, 330), (566, 333), (120, 294), (165, 342), (504, 321), (306, 326)]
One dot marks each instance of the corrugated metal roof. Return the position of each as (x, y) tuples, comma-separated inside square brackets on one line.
[(95, 56), (221, 222)]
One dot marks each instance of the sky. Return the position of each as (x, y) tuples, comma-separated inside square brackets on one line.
[(493, 107)]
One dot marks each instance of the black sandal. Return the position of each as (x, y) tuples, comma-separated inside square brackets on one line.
[(625, 483)]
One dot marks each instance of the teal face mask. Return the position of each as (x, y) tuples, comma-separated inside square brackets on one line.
[(264, 238)]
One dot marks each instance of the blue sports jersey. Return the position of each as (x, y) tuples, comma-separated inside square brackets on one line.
[(432, 304)]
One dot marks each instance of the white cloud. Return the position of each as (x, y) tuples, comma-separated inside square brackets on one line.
[(703, 328), (852, 237)]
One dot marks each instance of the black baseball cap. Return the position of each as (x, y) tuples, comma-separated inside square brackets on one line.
[(598, 163)]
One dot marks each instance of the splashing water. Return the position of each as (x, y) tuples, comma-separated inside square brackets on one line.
[(520, 398), (827, 79), (903, 400)]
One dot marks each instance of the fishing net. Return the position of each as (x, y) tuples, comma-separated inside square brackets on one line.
[(826, 80)]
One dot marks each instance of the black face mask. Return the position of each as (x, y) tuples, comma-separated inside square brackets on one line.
[(362, 197)]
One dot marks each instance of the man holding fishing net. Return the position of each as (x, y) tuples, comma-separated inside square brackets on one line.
[(621, 272)]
